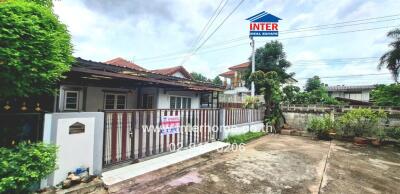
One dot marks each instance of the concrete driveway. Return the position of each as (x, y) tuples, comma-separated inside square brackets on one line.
[(280, 164)]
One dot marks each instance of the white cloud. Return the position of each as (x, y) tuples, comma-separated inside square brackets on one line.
[(103, 33)]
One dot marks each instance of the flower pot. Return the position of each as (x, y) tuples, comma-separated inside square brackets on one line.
[(360, 140), (376, 142)]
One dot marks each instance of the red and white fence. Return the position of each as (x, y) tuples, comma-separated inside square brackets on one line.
[(135, 134), (236, 116)]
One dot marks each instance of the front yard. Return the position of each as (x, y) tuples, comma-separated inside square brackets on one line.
[(280, 164)]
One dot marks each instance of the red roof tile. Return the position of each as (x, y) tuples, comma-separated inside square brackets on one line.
[(120, 62), (228, 74), (172, 70), (240, 66)]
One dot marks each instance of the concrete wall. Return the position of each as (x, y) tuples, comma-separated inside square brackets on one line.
[(74, 150), (299, 120)]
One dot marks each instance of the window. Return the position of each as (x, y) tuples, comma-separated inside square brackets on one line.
[(71, 100), (179, 102), (147, 101), (115, 101)]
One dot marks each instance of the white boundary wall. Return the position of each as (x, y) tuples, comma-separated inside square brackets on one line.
[(74, 150)]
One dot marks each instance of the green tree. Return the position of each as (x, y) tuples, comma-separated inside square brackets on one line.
[(289, 93), (270, 88), (391, 59), (199, 77), (217, 81), (35, 48), (269, 58), (386, 95), (313, 83)]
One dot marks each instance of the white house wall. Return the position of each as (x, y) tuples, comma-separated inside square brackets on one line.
[(95, 97), (163, 98)]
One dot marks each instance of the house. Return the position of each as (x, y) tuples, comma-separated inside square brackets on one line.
[(120, 84), (234, 82), (354, 93)]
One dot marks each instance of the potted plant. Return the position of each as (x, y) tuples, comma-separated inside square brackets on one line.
[(379, 136), (320, 127)]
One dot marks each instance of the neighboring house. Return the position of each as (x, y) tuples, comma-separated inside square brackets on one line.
[(234, 84), (354, 93), (177, 71)]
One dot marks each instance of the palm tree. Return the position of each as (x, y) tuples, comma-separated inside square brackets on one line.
[(391, 59)]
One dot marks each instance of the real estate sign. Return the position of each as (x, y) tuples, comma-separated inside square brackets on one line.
[(263, 24), (170, 125)]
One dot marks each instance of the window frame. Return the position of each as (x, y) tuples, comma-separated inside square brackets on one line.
[(181, 98), (65, 100), (115, 102)]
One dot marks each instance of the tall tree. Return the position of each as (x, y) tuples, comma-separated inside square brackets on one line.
[(313, 84), (217, 81), (289, 93), (386, 95), (199, 77), (271, 89), (391, 59), (269, 58), (35, 48)]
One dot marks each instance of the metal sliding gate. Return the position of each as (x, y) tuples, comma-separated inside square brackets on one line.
[(139, 133)]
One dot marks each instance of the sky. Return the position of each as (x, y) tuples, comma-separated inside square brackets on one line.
[(160, 33)]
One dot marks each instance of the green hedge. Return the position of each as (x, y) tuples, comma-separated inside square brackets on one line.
[(24, 165), (243, 138)]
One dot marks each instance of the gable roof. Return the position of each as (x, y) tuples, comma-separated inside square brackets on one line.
[(172, 70), (121, 62), (263, 17), (227, 74), (98, 70), (240, 66)]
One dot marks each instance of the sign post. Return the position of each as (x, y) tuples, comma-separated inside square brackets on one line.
[(262, 24)]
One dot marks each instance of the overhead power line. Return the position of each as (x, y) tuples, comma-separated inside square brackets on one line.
[(213, 32), (209, 23), (324, 26), (246, 43)]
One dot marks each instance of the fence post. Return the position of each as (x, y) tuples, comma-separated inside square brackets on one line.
[(221, 114)]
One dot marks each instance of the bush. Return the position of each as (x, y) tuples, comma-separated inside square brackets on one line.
[(243, 138), (393, 132), (320, 126), (25, 165), (360, 122)]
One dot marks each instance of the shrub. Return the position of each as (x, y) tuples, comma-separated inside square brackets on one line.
[(360, 122), (24, 165), (393, 132), (320, 126), (243, 138)]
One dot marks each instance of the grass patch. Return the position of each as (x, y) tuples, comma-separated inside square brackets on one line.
[(244, 138)]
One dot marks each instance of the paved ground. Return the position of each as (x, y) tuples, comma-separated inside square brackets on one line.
[(280, 164)]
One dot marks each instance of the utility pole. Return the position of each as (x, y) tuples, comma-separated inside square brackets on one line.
[(253, 65)]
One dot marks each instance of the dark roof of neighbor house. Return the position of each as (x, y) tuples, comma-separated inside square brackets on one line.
[(344, 88), (172, 70), (110, 71), (240, 66), (227, 74), (121, 62)]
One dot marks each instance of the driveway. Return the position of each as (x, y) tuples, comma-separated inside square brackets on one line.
[(280, 164)]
